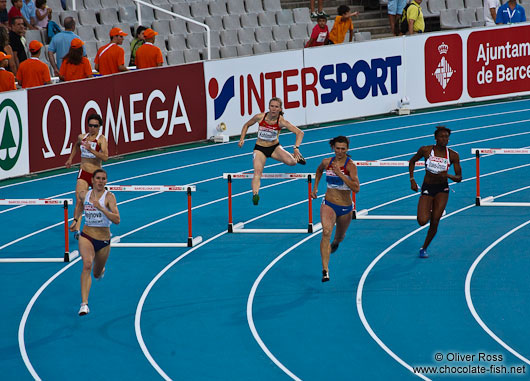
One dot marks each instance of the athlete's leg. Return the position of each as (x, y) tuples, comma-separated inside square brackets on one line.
[(343, 222), (282, 155), (327, 219), (424, 209), (259, 164), (87, 254), (100, 260), (80, 186), (439, 204)]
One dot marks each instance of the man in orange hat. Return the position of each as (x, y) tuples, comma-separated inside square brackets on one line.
[(7, 79), (110, 58), (149, 55), (33, 72)]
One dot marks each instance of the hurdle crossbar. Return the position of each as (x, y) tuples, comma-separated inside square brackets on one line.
[(489, 201), (363, 213), (68, 256), (192, 241), (239, 227)]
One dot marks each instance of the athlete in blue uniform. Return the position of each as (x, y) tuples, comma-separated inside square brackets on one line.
[(435, 188), (94, 243), (336, 208)]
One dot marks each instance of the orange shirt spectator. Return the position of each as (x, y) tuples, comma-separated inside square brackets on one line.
[(33, 72), (342, 25), (149, 55), (110, 58), (7, 79), (74, 65)]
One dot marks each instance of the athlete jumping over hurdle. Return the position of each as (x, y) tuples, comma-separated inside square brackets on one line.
[(94, 150), (94, 243), (268, 145), (336, 208), (435, 188)]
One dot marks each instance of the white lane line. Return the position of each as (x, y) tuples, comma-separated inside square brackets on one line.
[(470, 301), (312, 142), (362, 281), (22, 325)]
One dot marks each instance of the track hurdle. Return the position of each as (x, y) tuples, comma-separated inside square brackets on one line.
[(363, 213), (239, 227), (489, 201), (116, 241), (68, 256)]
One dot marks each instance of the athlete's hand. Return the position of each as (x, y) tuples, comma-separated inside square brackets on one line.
[(97, 205), (314, 193), (86, 145), (336, 168), (413, 185), (72, 226), (68, 163)]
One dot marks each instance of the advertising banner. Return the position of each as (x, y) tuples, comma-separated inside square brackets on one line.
[(14, 153), (239, 88), (498, 61), (141, 110)]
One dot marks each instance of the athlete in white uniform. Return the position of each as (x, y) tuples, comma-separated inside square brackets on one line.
[(336, 208), (435, 188), (94, 243), (268, 145), (94, 150)]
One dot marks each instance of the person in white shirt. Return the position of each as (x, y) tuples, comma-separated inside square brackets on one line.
[(490, 11)]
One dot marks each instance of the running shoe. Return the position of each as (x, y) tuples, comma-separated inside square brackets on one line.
[(314, 15), (325, 276), (423, 253), (322, 13), (255, 199), (84, 309), (301, 160), (334, 246), (101, 276), (77, 233)]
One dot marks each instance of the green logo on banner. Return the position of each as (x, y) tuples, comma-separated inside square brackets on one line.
[(9, 148)]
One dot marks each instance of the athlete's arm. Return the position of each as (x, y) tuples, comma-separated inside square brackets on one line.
[(299, 136), (244, 130), (455, 159), (68, 163), (104, 154), (412, 165), (353, 181), (78, 211), (318, 176), (113, 214)]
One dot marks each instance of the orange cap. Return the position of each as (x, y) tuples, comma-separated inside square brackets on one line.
[(149, 33), (76, 43), (4, 56), (34, 46), (117, 32)]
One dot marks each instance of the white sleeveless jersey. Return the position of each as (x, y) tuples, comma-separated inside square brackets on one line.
[(94, 145), (435, 164), (93, 216)]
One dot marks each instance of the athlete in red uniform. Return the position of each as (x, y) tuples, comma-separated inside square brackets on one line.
[(268, 145)]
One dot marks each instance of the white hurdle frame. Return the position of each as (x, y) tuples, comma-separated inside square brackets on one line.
[(115, 241), (239, 227), (489, 201), (68, 256), (363, 213)]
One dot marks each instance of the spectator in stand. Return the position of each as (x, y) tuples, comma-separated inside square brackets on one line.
[(510, 13), (110, 58), (43, 13), (15, 10), (342, 25), (395, 10), (28, 12), (320, 33), (6, 48), (33, 72), (148, 55), (4, 18), (75, 65), (60, 44), (7, 79), (320, 11), (17, 40), (490, 11), (415, 17), (136, 43)]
